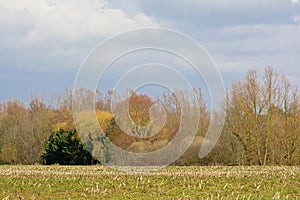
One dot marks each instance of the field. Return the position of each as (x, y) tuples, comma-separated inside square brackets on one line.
[(97, 182)]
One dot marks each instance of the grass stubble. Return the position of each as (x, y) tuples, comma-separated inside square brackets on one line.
[(99, 182)]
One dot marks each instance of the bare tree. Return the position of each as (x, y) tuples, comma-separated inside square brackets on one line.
[(263, 116)]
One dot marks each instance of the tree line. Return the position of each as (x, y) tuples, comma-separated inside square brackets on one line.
[(262, 125)]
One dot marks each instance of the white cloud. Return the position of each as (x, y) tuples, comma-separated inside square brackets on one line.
[(47, 28), (74, 20), (294, 2)]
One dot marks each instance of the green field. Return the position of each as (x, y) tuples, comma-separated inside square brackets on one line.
[(97, 182)]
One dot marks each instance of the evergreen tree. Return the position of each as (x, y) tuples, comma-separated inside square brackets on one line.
[(65, 148)]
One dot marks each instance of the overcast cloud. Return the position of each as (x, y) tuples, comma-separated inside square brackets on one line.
[(43, 42)]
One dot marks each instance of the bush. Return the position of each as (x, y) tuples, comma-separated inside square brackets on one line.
[(65, 148)]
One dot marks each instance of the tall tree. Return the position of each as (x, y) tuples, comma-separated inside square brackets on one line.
[(259, 115)]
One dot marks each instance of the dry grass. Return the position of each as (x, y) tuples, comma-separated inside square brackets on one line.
[(97, 182)]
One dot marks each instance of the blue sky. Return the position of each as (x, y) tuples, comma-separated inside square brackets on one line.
[(44, 42)]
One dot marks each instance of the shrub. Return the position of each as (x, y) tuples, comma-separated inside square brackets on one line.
[(65, 148)]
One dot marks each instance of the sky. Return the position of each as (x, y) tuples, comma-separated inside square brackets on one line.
[(43, 43)]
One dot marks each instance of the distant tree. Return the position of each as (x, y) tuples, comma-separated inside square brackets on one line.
[(138, 122), (117, 136), (8, 153), (65, 148), (37, 131), (14, 127), (264, 116)]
